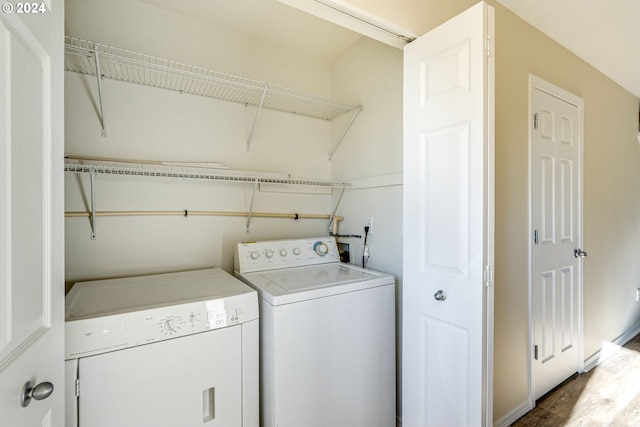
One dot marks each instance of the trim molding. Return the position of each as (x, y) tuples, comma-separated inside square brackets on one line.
[(514, 415), (590, 363), (377, 181), (609, 349)]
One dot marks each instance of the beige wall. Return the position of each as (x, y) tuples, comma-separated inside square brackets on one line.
[(611, 176), (611, 180)]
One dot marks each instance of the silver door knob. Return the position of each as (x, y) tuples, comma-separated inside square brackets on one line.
[(39, 392), (440, 295), (579, 253)]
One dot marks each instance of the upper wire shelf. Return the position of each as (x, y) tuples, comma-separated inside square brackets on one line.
[(129, 66)]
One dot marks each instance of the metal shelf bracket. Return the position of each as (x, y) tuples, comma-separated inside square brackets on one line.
[(103, 132), (250, 214), (93, 206), (344, 132), (255, 119), (330, 227)]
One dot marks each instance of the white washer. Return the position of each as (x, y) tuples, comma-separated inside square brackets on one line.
[(327, 334), (168, 350)]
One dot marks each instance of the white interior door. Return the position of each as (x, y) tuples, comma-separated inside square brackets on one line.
[(556, 214), (448, 224), (31, 211)]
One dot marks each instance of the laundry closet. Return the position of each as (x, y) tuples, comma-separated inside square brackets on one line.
[(164, 180)]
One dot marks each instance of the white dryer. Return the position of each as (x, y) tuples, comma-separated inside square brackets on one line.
[(327, 334), (168, 350)]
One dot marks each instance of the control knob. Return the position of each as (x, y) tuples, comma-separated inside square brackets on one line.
[(269, 253), (283, 252), (321, 248), (170, 325), (254, 255)]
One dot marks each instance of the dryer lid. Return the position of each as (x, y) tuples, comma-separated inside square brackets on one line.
[(122, 295)]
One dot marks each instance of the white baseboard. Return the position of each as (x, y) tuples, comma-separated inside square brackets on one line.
[(610, 348), (589, 364), (513, 415)]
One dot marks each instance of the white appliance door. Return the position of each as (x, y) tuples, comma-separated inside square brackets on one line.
[(195, 381), (448, 224)]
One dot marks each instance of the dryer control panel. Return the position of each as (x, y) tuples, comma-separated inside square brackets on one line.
[(114, 314), (275, 254)]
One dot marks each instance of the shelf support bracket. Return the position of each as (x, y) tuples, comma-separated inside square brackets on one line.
[(92, 175), (344, 132), (255, 119), (250, 213), (103, 132), (333, 215)]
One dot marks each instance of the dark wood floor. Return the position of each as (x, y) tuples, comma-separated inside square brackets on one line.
[(606, 396)]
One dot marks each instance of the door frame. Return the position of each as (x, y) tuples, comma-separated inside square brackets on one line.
[(538, 83)]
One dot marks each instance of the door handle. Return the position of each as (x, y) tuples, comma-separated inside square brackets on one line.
[(579, 253), (39, 392), (440, 295)]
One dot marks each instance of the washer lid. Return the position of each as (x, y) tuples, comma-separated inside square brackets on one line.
[(304, 283)]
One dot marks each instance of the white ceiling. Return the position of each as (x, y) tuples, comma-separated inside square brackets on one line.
[(602, 32), (605, 33)]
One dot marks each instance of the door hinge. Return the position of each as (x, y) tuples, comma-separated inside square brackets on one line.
[(535, 352), (488, 275), (535, 121), (535, 236), (77, 390), (488, 45)]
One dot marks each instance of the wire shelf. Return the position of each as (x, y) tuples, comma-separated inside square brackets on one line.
[(133, 67), (153, 170)]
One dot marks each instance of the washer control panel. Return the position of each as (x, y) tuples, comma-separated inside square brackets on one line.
[(274, 254)]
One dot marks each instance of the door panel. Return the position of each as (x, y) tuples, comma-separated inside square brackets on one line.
[(445, 376), (26, 283), (31, 214), (444, 218), (448, 220), (556, 216)]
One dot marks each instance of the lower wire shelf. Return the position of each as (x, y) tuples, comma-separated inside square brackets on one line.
[(94, 167)]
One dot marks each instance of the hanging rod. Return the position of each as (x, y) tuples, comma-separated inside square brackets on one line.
[(188, 213)]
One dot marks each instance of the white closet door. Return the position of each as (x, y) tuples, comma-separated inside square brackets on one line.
[(448, 224), (31, 211)]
